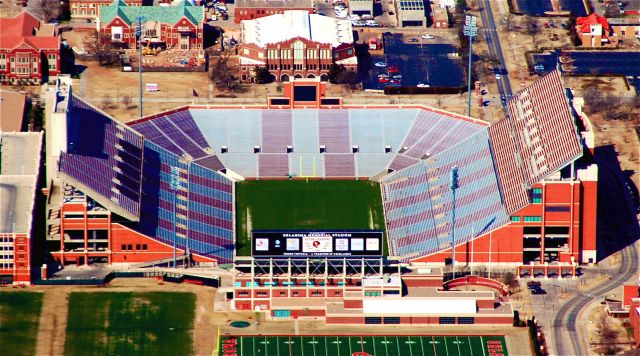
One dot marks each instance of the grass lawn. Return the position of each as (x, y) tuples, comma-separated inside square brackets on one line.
[(300, 205), (151, 323), (19, 317), (414, 345)]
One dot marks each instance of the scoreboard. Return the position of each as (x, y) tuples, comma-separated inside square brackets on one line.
[(316, 243)]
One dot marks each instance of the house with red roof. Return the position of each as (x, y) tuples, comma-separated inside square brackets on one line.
[(595, 31), (29, 50)]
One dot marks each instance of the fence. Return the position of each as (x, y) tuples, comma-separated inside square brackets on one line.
[(134, 68)]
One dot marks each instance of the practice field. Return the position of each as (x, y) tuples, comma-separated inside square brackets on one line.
[(110, 323), (302, 205), (19, 317), (408, 345)]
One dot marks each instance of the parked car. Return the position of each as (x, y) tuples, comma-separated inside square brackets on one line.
[(354, 17), (533, 284), (538, 291), (428, 37), (422, 85), (413, 40), (371, 23), (394, 69), (380, 64), (383, 80)]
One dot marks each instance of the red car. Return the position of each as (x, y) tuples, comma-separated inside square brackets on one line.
[(393, 69), (383, 80)]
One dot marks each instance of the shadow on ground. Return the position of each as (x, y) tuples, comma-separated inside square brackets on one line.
[(618, 204)]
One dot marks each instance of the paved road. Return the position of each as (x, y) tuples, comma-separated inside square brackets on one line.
[(495, 49), (566, 339), (622, 223)]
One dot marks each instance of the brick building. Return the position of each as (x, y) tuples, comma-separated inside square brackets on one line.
[(296, 44), (19, 173), (626, 28), (90, 9), (255, 9), (360, 291), (174, 27), (29, 50), (440, 17), (595, 31)]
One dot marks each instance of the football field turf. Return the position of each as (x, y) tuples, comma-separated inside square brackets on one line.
[(301, 205), (407, 345), (117, 323), (19, 319)]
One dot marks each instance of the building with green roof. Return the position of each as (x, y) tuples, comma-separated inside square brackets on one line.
[(176, 27)]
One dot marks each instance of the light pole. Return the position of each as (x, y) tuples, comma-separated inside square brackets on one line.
[(470, 29), (174, 183), (139, 20), (453, 185)]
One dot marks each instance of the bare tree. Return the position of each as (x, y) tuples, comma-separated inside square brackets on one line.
[(531, 28), (608, 336), (126, 100), (100, 46), (107, 102), (50, 9), (224, 72), (611, 107), (510, 280)]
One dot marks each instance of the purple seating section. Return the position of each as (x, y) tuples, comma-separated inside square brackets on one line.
[(334, 131), (339, 165), (273, 165), (176, 132), (211, 162), (277, 131), (104, 156), (430, 133)]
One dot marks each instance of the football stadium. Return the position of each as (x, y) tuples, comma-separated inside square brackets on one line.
[(320, 208), (203, 177)]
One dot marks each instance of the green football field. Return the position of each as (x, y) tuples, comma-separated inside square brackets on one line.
[(302, 205), (122, 323), (414, 345), (19, 318)]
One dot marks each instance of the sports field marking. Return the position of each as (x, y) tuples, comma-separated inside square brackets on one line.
[(347, 345)]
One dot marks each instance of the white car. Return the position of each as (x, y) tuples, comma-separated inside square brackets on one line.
[(380, 64), (371, 23), (354, 17), (423, 85), (428, 37), (498, 76)]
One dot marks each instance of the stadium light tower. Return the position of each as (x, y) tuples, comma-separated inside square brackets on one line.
[(453, 185), (470, 29), (174, 183), (139, 21)]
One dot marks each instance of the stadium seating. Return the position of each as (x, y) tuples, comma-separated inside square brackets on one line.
[(105, 157), (418, 201)]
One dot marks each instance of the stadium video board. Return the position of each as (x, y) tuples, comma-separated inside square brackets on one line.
[(316, 243)]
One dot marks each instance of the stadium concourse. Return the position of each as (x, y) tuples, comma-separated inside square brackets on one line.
[(134, 193)]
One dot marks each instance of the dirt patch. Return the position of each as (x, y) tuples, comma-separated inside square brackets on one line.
[(53, 322)]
